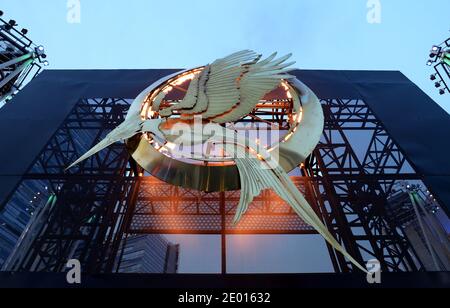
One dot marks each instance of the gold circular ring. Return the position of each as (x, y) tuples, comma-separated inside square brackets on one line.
[(293, 150)]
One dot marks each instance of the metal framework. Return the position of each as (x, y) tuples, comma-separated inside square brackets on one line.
[(20, 59), (107, 198), (440, 60)]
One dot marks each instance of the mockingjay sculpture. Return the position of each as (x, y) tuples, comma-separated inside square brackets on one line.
[(220, 93)]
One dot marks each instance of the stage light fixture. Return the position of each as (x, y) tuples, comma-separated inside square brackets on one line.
[(46, 63), (40, 50), (17, 48), (440, 59)]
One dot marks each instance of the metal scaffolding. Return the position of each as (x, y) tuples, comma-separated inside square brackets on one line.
[(440, 60), (101, 202), (20, 59)]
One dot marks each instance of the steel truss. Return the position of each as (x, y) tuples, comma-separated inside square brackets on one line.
[(347, 180), (19, 61), (440, 60)]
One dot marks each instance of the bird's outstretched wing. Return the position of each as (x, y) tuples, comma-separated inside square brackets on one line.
[(230, 88)]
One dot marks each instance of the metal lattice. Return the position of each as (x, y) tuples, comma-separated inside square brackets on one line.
[(347, 180)]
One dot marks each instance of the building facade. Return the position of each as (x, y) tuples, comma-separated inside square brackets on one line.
[(149, 254), (368, 146)]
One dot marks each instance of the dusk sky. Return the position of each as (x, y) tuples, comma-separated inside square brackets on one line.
[(325, 34)]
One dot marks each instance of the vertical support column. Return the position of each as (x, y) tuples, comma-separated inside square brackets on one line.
[(223, 233)]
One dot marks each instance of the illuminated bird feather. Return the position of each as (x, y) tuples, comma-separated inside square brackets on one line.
[(230, 88)]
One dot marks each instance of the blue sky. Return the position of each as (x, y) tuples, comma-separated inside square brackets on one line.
[(322, 34)]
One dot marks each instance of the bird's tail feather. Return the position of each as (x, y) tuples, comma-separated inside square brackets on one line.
[(278, 180)]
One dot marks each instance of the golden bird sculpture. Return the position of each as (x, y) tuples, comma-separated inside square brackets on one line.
[(224, 92)]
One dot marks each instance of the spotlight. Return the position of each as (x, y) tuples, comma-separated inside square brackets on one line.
[(40, 50), (437, 84), (43, 56), (46, 63), (24, 31), (8, 27), (441, 91), (433, 77), (1, 13), (435, 51), (12, 23)]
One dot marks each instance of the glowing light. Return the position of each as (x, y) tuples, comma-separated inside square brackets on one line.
[(287, 89), (289, 136), (171, 146), (299, 117), (167, 89), (182, 79), (144, 110)]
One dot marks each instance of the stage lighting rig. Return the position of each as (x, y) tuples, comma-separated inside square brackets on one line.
[(440, 60), (20, 59)]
